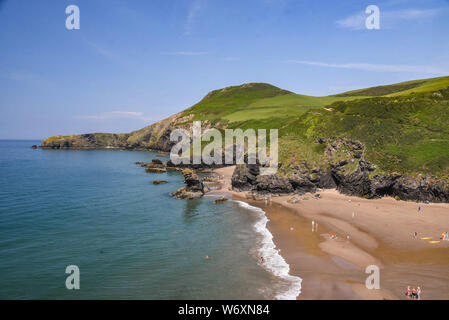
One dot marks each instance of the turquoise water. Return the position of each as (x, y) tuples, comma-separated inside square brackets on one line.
[(129, 238)]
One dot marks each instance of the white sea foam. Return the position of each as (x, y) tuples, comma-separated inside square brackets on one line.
[(272, 260)]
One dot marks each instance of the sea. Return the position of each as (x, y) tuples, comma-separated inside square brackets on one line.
[(100, 212)]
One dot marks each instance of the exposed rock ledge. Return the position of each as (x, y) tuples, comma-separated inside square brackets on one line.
[(358, 183), (194, 188)]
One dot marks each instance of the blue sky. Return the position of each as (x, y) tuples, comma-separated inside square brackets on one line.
[(135, 62)]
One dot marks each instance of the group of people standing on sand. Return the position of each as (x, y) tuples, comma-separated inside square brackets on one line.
[(414, 294)]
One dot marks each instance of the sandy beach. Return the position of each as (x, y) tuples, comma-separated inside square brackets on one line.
[(367, 232)]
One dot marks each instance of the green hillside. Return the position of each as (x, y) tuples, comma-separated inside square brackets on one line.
[(404, 126), (407, 134)]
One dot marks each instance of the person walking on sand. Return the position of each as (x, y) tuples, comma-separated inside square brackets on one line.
[(313, 225), (419, 293), (408, 293), (414, 294)]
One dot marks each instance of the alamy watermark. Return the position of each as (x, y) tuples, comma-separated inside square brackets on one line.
[(373, 280), (188, 148), (372, 22), (72, 282), (72, 22)]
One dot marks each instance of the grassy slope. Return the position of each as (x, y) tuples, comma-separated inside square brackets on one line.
[(404, 126), (407, 134)]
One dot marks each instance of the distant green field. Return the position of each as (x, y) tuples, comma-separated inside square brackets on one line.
[(401, 88), (257, 101), (290, 105)]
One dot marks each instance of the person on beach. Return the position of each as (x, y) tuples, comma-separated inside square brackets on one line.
[(415, 235), (419, 293), (419, 209), (414, 294), (313, 225), (408, 293)]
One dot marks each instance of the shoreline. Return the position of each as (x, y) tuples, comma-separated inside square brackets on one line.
[(380, 233)]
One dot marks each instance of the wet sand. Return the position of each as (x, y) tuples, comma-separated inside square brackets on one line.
[(380, 233)]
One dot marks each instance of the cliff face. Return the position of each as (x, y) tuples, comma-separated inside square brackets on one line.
[(351, 175), (87, 141), (153, 137)]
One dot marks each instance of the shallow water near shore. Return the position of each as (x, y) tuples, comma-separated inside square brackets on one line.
[(129, 238)]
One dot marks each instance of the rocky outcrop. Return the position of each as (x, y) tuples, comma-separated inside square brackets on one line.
[(157, 182), (194, 188), (273, 184), (244, 177), (350, 174), (153, 137), (87, 141), (155, 166)]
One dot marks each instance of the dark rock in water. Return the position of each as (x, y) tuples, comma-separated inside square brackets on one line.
[(154, 164), (34, 146), (184, 193), (192, 181), (155, 170), (194, 188), (159, 181), (157, 161), (220, 200)]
